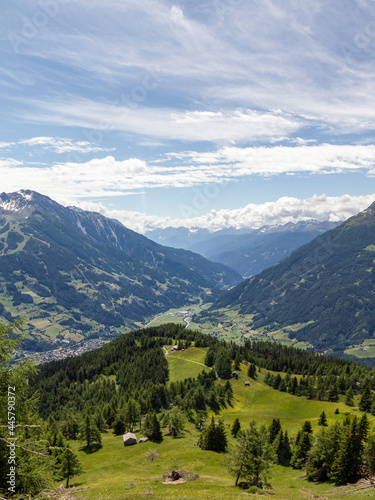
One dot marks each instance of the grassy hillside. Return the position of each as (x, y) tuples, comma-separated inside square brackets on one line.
[(116, 472)]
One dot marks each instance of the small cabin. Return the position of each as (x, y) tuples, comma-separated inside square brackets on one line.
[(129, 439), (246, 383), (235, 375)]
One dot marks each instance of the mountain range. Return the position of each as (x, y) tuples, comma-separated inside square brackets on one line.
[(325, 289), (73, 272), (248, 251)]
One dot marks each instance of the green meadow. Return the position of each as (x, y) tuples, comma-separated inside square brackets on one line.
[(116, 472)]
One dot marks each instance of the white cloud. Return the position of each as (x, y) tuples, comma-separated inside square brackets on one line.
[(110, 177), (222, 126), (61, 145), (282, 211)]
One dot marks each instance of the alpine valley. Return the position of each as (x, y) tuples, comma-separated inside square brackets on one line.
[(76, 274), (220, 416)]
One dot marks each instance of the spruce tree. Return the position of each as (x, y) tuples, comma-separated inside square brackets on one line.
[(282, 448), (349, 459), (274, 429), (349, 397), (323, 454), (322, 419), (89, 432), (214, 437), (301, 449), (252, 371), (366, 400), (223, 363), (151, 426), (235, 428)]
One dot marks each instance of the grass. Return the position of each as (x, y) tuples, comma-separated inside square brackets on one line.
[(364, 350), (116, 472), (184, 364)]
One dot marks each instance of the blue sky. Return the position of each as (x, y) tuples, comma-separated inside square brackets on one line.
[(210, 113)]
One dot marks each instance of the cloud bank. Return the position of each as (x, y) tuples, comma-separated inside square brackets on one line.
[(282, 211)]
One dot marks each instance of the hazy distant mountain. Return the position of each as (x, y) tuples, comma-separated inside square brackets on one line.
[(328, 283), (72, 271), (248, 251)]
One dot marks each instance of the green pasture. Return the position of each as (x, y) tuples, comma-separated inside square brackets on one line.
[(116, 472)]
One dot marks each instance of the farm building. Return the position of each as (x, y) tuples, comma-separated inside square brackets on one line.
[(129, 439)]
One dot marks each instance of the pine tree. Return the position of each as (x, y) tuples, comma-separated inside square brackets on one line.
[(151, 426), (70, 465), (89, 432), (223, 363), (349, 459), (274, 429), (252, 371), (214, 437), (34, 466), (322, 420), (366, 400), (282, 448), (307, 427), (369, 456), (210, 357), (175, 421), (237, 362), (301, 449), (349, 397), (251, 458), (235, 428), (323, 454), (131, 414)]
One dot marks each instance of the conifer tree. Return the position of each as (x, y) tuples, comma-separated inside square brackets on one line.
[(34, 466), (301, 449), (282, 448), (349, 397), (223, 363), (274, 429), (322, 419), (323, 454), (70, 465), (89, 432), (237, 362), (151, 426), (366, 400), (252, 370), (251, 458), (369, 455), (349, 459), (214, 437), (131, 414), (175, 421), (235, 428)]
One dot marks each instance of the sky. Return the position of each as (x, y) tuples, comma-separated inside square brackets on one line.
[(209, 113)]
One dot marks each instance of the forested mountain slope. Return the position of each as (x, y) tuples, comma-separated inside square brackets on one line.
[(328, 286), (77, 271)]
